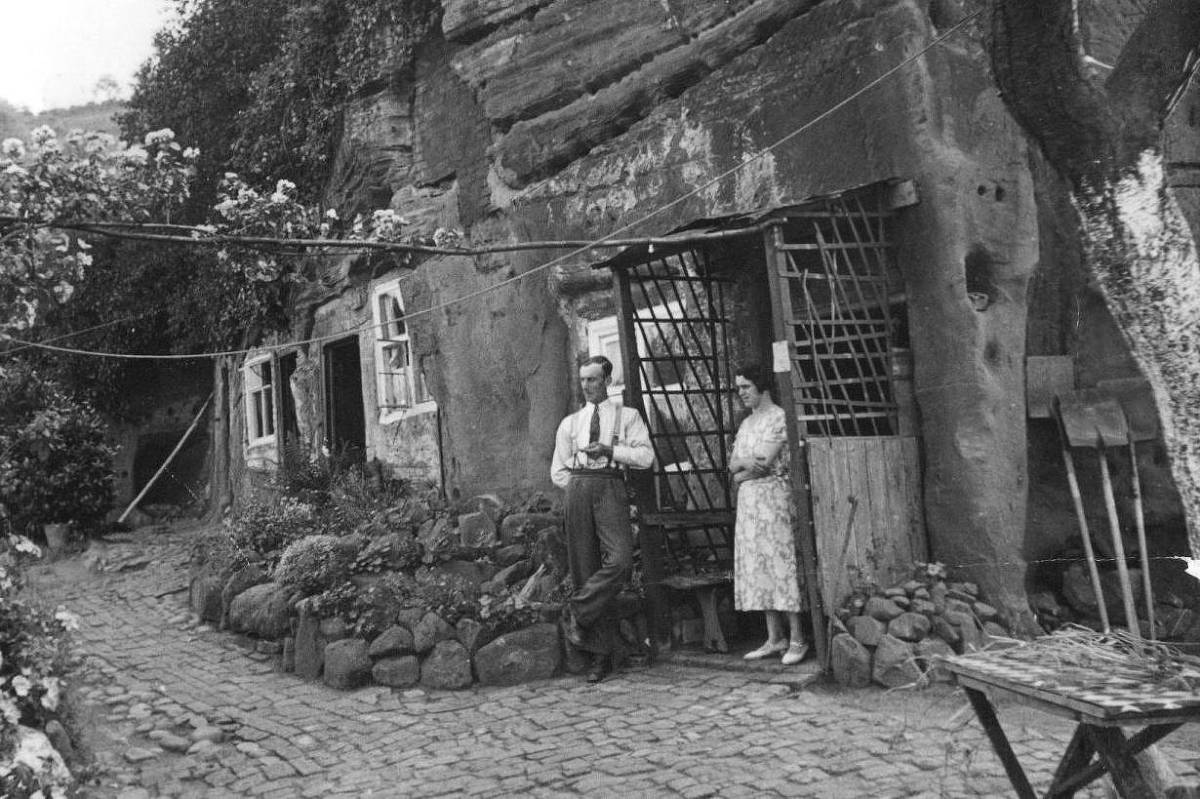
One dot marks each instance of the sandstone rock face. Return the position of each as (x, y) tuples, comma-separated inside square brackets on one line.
[(262, 610), (470, 634), (882, 609), (464, 19), (477, 530), (850, 661), (447, 666), (238, 582), (521, 526), (513, 574), (550, 550), (309, 648), (866, 630), (347, 664), (521, 656), (928, 653), (431, 630), (397, 672), (312, 636), (204, 597), (395, 640), (894, 664), (909, 626)]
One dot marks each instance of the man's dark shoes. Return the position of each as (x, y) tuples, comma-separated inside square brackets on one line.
[(601, 668), (572, 630)]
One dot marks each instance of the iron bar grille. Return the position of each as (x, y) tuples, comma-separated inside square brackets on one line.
[(680, 323)]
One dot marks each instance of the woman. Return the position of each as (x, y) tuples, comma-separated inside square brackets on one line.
[(764, 551)]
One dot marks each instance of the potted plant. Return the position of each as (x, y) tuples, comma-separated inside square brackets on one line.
[(56, 470)]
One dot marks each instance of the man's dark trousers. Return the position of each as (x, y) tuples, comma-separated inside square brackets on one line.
[(599, 551)]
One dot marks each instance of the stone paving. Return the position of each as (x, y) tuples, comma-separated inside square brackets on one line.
[(182, 710)]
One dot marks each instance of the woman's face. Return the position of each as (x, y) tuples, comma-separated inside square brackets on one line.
[(747, 393)]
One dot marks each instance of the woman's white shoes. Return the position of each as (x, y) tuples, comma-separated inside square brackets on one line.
[(795, 653), (766, 650)]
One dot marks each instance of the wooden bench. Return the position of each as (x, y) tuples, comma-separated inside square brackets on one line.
[(669, 542)]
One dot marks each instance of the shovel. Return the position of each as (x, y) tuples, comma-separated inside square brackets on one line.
[(1091, 418)]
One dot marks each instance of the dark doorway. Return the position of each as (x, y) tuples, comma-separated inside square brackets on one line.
[(182, 483), (345, 421)]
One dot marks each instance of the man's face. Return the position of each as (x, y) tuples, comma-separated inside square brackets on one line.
[(593, 382)]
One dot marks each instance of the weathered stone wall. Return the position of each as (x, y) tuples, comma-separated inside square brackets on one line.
[(573, 119)]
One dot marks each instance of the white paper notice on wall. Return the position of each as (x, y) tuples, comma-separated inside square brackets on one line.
[(781, 358)]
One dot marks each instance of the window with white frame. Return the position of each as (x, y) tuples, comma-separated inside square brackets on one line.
[(260, 399), (401, 381), (604, 338)]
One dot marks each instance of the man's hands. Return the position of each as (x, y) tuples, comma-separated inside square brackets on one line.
[(598, 450)]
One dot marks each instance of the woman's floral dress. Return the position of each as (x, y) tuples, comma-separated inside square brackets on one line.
[(764, 549)]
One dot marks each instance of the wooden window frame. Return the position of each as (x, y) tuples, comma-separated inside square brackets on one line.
[(391, 335)]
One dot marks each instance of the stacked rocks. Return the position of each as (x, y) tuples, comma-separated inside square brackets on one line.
[(894, 636)]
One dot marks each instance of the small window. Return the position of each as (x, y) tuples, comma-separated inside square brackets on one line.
[(660, 370), (401, 382), (260, 400)]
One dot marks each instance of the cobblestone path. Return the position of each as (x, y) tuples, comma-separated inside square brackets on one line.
[(154, 676)]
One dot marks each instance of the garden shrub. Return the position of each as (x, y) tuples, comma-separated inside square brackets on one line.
[(313, 564), (36, 661), (54, 463), (265, 527)]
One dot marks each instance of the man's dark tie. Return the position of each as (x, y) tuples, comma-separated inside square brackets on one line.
[(594, 430)]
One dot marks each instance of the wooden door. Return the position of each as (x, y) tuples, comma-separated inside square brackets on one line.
[(844, 327)]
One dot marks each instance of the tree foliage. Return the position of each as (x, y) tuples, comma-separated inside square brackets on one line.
[(261, 88)]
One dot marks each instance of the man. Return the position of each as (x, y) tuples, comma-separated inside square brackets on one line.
[(589, 449)]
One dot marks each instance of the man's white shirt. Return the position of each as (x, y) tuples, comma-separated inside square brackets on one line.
[(632, 447)]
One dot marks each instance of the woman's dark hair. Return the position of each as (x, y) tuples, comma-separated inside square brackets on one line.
[(763, 380)]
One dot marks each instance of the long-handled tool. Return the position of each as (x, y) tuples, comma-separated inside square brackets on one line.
[(1093, 418), (1139, 518), (1077, 499)]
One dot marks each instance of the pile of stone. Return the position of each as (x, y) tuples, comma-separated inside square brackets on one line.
[(1065, 595), (894, 636), (420, 647)]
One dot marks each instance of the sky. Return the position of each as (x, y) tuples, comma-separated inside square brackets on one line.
[(53, 52)]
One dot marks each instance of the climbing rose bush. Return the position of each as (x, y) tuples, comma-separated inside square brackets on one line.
[(77, 178)]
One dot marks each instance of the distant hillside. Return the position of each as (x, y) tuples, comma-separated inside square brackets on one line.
[(93, 116)]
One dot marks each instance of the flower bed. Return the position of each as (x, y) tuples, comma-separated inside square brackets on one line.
[(358, 583)]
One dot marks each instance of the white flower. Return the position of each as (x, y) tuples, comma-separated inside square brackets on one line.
[(53, 693), (21, 685), (23, 544), (160, 136), (66, 618), (13, 148), (42, 134), (331, 214), (135, 153), (191, 153), (14, 169), (9, 710)]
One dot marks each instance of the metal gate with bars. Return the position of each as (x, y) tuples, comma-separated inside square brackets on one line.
[(837, 318), (675, 339)]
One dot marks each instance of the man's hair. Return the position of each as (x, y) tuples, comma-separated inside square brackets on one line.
[(603, 362), (762, 379)]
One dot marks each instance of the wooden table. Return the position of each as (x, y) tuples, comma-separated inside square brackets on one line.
[(1100, 704)]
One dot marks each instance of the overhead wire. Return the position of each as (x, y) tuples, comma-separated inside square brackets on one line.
[(575, 251)]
